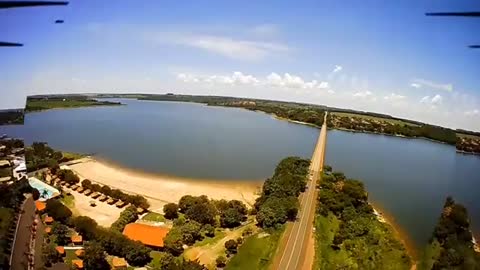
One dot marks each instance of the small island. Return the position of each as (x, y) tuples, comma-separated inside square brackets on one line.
[(48, 102)]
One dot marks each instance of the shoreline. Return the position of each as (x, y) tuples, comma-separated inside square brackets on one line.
[(161, 189), (77, 107), (398, 231)]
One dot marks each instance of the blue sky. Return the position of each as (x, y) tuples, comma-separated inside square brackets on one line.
[(382, 56)]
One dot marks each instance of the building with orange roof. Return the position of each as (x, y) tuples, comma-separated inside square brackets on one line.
[(77, 263), (40, 206), (48, 230), (151, 236), (80, 253), (119, 263), (48, 220), (60, 250), (77, 239)]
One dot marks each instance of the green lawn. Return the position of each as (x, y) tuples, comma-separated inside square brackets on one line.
[(256, 253), (219, 234), (156, 217), (69, 256), (68, 201)]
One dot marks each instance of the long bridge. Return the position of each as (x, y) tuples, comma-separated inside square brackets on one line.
[(298, 250)]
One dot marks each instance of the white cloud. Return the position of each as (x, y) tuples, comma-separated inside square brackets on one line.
[(432, 101), (337, 69), (265, 30), (472, 113), (394, 97), (237, 78), (293, 81), (421, 83), (323, 85), (363, 94)]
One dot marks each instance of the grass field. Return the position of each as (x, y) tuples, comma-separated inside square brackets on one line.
[(155, 217), (368, 117), (256, 253), (219, 234), (71, 155)]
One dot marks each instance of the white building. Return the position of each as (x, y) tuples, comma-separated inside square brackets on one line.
[(20, 171)]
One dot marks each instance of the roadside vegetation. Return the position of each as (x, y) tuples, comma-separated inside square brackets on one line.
[(41, 103), (348, 234), (451, 245)]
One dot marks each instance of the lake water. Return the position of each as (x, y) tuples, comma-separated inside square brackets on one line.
[(408, 178)]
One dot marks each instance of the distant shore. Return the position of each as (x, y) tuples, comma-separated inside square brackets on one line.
[(162, 189)]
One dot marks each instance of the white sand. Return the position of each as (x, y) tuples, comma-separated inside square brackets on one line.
[(159, 189), (103, 213)]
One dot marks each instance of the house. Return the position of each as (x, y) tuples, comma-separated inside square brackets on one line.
[(4, 163), (102, 198), (60, 250), (80, 253), (40, 206), (77, 263), (120, 204), (111, 201), (119, 263), (95, 195), (151, 236), (20, 171), (77, 239), (87, 192), (48, 220)]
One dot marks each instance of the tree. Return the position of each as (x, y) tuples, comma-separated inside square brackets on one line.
[(209, 230), (128, 215), (231, 218), (231, 246), (221, 261), (170, 210), (86, 184), (95, 257), (85, 226), (61, 232), (191, 232), (202, 212), (173, 242), (35, 194), (50, 255), (138, 255), (106, 190), (58, 211)]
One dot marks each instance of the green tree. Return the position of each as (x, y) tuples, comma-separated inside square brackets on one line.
[(231, 246), (202, 212), (170, 210), (57, 210), (173, 242), (50, 255), (231, 218), (95, 257), (61, 232), (85, 226), (209, 230), (221, 261)]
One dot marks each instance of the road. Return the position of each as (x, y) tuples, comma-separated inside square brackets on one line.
[(293, 253)]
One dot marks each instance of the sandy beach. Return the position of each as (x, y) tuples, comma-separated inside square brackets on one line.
[(159, 189)]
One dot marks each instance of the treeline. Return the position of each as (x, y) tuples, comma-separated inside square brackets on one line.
[(279, 199), (11, 117), (349, 235), (137, 200), (468, 144), (453, 237), (39, 155), (45, 102), (111, 240), (436, 133), (128, 215)]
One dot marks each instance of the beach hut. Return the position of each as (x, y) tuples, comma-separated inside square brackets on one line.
[(77, 239), (74, 187), (93, 203), (60, 250), (77, 263), (111, 201), (80, 253), (95, 195), (68, 185), (102, 198), (120, 204), (48, 220), (87, 192), (48, 230), (119, 263), (140, 210), (80, 189)]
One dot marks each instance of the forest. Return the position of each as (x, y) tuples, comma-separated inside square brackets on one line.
[(47, 102), (348, 233)]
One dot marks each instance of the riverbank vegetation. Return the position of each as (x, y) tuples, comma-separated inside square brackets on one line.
[(41, 103), (451, 245), (348, 234), (11, 117), (39, 156)]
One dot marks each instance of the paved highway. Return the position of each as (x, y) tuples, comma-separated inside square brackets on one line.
[(292, 254)]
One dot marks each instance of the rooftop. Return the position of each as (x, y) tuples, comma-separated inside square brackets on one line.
[(60, 249), (148, 235), (40, 205), (77, 238), (78, 263)]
